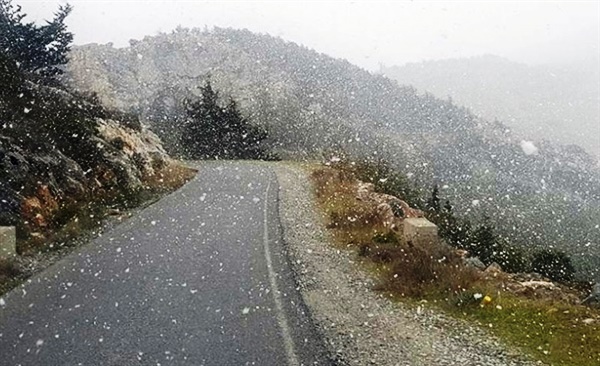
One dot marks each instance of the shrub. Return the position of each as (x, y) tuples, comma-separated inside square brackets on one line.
[(388, 237), (555, 265), (511, 258), (417, 271)]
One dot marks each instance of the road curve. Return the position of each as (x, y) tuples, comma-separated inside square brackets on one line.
[(198, 278)]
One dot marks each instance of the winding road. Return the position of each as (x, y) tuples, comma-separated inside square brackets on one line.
[(199, 278)]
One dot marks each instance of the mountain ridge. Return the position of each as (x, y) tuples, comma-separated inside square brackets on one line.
[(554, 102)]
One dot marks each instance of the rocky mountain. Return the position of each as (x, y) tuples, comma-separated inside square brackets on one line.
[(538, 193), (556, 103)]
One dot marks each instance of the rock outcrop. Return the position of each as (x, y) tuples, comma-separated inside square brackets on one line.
[(390, 209), (36, 187)]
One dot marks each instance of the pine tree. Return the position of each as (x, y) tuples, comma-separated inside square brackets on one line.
[(213, 132), (448, 207), (433, 204), (553, 264), (242, 139), (37, 50), (484, 242), (202, 131)]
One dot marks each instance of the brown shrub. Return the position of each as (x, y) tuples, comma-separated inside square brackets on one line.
[(426, 269), (336, 191)]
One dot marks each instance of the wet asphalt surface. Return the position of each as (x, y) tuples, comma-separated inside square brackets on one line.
[(198, 278)]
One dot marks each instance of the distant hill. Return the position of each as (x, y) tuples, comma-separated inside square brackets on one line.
[(558, 103), (538, 193)]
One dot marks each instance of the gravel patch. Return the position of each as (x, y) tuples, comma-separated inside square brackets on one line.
[(359, 325)]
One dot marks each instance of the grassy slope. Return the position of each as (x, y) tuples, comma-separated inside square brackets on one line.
[(550, 331)]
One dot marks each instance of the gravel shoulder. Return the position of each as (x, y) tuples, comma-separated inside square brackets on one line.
[(359, 325)]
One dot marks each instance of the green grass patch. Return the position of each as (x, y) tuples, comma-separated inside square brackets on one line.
[(551, 332)]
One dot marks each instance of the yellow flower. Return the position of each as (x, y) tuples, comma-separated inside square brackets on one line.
[(486, 300)]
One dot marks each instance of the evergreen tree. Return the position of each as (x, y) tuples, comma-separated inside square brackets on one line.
[(553, 264), (433, 204), (202, 132), (213, 132), (242, 140), (484, 242), (448, 207), (39, 50), (456, 231)]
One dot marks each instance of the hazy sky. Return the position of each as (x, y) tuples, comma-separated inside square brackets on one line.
[(364, 32)]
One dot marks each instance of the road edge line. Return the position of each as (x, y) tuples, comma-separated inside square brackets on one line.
[(288, 342)]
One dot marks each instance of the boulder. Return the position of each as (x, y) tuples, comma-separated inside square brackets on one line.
[(494, 269), (419, 230), (594, 298), (8, 246), (474, 262), (387, 206)]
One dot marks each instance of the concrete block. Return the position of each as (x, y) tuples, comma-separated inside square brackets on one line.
[(8, 241), (419, 230)]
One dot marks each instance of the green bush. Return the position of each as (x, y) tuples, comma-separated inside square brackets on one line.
[(555, 265)]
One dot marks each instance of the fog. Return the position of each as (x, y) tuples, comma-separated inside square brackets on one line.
[(365, 33)]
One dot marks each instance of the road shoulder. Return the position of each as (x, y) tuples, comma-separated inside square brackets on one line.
[(360, 326)]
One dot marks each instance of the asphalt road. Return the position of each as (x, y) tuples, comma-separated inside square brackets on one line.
[(198, 278)]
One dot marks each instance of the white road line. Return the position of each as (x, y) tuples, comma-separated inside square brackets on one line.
[(281, 318)]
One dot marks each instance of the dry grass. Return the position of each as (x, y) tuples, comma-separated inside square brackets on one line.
[(419, 271), (170, 177), (404, 268)]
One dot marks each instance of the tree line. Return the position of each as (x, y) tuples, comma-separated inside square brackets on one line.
[(484, 243)]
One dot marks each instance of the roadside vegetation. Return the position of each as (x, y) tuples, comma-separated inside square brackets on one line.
[(552, 327)]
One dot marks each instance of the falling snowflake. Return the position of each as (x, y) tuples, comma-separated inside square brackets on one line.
[(529, 148)]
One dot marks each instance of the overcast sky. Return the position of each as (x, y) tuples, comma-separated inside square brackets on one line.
[(365, 33)]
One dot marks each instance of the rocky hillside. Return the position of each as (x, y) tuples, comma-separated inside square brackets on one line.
[(61, 153), (538, 193), (558, 103)]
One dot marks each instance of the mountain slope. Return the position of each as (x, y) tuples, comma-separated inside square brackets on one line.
[(312, 103), (558, 103)]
